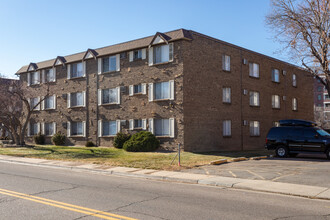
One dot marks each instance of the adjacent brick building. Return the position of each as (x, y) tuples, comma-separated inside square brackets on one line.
[(183, 86), (321, 104)]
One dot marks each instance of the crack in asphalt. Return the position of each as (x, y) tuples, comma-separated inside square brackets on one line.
[(6, 199), (125, 206)]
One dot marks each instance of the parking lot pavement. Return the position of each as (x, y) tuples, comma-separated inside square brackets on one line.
[(305, 169)]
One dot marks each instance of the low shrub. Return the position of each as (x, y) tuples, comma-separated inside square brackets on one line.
[(90, 144), (120, 139), (142, 141), (58, 139), (39, 139)]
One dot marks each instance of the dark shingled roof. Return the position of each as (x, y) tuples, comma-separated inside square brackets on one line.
[(117, 48)]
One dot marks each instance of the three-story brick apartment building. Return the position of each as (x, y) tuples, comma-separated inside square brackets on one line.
[(182, 86)]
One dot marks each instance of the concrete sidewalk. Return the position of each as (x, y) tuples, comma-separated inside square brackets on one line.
[(313, 192)]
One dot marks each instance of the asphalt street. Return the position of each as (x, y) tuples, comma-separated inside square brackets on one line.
[(305, 169), (31, 192)]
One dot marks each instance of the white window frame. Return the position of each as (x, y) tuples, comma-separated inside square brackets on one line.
[(141, 55), (226, 62), (143, 89), (100, 96), (37, 108), (171, 127), (69, 100), (83, 124), (254, 70), (69, 70), (167, 47), (101, 125), (101, 60), (43, 125), (294, 80), (226, 128), (254, 98), (294, 104), (276, 72), (45, 101), (132, 125), (226, 95), (44, 75), (30, 126), (34, 78), (276, 101), (254, 128), (152, 91)]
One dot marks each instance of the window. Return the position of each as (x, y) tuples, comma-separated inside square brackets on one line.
[(226, 95), (49, 129), (162, 53), (33, 103), (77, 128), (319, 88), (275, 75), (319, 97), (254, 70), (226, 128), (76, 70), (49, 75), (109, 128), (138, 123), (226, 62), (137, 54), (49, 102), (162, 127), (138, 88), (254, 99), (77, 99), (294, 104), (35, 78), (275, 101), (254, 128), (34, 128), (276, 124), (294, 80), (326, 96), (110, 96), (162, 90), (109, 64)]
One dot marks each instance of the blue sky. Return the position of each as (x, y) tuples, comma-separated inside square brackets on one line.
[(37, 30)]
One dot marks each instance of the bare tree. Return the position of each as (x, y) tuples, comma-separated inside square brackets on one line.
[(303, 26), (16, 109)]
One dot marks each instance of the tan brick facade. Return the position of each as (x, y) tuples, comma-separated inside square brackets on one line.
[(197, 108)]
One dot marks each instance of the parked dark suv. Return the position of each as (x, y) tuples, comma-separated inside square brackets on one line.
[(298, 136)]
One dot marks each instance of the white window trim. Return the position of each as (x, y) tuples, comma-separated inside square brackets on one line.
[(69, 124), (77, 106), (226, 128), (152, 93), (100, 95), (171, 127), (100, 128), (143, 88), (224, 64), (224, 97), (170, 55), (131, 124)]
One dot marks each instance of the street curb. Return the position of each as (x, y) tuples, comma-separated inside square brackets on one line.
[(306, 191), (221, 161)]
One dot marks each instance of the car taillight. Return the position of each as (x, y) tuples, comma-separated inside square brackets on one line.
[(266, 140)]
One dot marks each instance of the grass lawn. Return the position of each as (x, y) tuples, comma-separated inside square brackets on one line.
[(119, 157)]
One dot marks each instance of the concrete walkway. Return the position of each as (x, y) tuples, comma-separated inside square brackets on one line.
[(314, 192)]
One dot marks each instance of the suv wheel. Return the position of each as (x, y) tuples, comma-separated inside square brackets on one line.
[(328, 153), (282, 151)]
